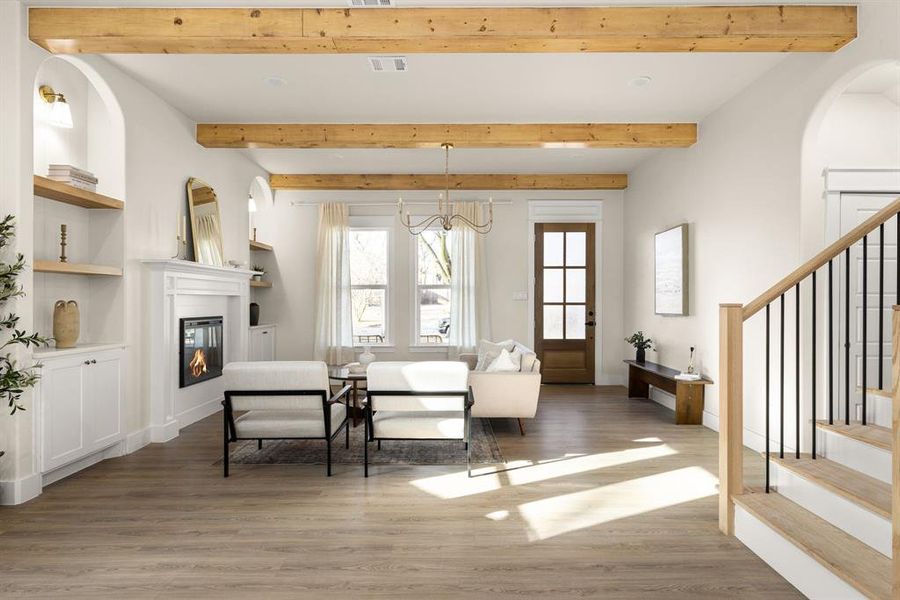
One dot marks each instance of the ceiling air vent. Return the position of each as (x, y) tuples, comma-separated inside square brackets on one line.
[(388, 64), (371, 3)]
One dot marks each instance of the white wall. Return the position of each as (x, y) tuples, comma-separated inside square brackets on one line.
[(744, 189), (291, 302), (860, 131)]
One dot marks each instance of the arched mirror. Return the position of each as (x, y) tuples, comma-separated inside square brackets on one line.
[(206, 227)]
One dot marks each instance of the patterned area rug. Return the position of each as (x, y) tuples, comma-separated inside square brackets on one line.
[(484, 449)]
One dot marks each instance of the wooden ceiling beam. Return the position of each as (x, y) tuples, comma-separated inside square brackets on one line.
[(523, 135), (437, 181), (786, 28)]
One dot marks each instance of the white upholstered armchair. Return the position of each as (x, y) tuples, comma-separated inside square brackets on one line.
[(282, 400), (417, 401)]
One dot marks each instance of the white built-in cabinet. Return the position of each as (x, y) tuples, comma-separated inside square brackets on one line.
[(80, 403), (262, 343)]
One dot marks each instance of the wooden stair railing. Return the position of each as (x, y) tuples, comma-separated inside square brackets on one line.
[(731, 325)]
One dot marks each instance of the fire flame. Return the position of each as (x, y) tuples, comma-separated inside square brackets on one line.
[(198, 363)]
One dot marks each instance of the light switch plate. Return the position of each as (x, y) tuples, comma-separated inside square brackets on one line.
[(520, 296)]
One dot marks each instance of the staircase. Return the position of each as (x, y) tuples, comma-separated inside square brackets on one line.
[(828, 516)]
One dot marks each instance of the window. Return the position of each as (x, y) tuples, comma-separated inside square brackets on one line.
[(432, 290), (369, 285)]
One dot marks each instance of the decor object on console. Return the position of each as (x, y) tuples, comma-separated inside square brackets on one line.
[(425, 401), (283, 400), (504, 394), (260, 271), (206, 224), (254, 314), (671, 271), (689, 375), (640, 344), (446, 215), (14, 380), (57, 112), (62, 243), (66, 323)]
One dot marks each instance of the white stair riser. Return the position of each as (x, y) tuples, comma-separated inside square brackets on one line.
[(878, 410), (861, 523), (799, 569), (862, 457)]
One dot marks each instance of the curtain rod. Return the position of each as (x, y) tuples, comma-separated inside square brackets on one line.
[(394, 204)]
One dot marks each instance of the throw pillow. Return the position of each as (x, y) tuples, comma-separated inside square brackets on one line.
[(506, 362), (488, 353)]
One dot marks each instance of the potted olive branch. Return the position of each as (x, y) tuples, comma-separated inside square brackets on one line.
[(640, 344), (14, 380)]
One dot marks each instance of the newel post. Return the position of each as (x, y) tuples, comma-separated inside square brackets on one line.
[(895, 454), (731, 411)]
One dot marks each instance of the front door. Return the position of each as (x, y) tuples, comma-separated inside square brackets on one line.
[(564, 290)]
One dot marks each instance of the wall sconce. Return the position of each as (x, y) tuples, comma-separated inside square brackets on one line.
[(58, 111), (251, 204)]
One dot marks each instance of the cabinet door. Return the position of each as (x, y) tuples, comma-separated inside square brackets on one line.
[(103, 399), (255, 350), (267, 345), (63, 411)]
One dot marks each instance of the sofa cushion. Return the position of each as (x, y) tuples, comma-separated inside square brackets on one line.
[(277, 375), (428, 376), (288, 423), (489, 351), (506, 362), (419, 425)]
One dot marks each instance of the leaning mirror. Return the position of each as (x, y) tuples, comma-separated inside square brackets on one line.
[(206, 227)]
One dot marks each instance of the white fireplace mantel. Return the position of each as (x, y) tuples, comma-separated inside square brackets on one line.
[(174, 288)]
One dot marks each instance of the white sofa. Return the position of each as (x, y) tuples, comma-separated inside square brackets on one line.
[(512, 395)]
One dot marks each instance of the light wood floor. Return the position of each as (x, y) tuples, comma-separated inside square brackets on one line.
[(612, 515)]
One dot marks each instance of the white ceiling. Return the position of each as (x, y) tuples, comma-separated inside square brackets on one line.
[(505, 88)]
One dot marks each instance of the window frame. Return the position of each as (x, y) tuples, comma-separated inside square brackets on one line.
[(415, 343), (380, 224)]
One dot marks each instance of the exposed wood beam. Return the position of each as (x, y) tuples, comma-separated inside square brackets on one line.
[(790, 28), (530, 135), (473, 181)]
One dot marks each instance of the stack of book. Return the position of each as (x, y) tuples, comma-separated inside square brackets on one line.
[(73, 176)]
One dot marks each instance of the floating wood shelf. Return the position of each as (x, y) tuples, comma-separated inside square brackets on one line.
[(260, 284), (254, 245), (50, 266), (68, 194)]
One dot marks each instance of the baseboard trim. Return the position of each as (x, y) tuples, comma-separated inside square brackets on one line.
[(136, 440), (163, 433), (19, 491), (113, 451), (190, 416)]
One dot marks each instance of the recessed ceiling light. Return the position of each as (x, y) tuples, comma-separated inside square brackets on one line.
[(639, 82), (275, 81)]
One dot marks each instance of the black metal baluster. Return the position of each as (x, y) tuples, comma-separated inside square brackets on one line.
[(781, 404), (767, 397), (831, 342), (881, 307), (797, 372), (812, 401), (847, 336), (865, 320)]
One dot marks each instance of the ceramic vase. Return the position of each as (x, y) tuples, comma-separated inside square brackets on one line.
[(640, 355), (254, 314), (66, 323), (366, 358)]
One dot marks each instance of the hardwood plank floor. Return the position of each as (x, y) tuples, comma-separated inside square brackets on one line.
[(623, 506)]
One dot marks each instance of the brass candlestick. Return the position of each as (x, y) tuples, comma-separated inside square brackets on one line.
[(62, 243)]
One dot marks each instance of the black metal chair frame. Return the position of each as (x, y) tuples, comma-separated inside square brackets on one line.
[(370, 427), (230, 432)]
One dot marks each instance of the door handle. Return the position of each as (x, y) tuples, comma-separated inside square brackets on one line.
[(590, 324)]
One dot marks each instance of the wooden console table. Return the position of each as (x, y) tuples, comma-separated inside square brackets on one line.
[(688, 394)]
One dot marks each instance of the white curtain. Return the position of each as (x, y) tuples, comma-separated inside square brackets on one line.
[(469, 301), (334, 337)]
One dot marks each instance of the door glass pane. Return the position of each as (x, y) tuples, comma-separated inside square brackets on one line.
[(553, 249), (575, 322), (553, 285), (553, 322), (575, 285), (368, 318), (576, 248)]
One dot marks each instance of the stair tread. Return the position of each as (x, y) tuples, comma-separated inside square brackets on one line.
[(874, 435), (868, 492), (878, 392), (859, 565)]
